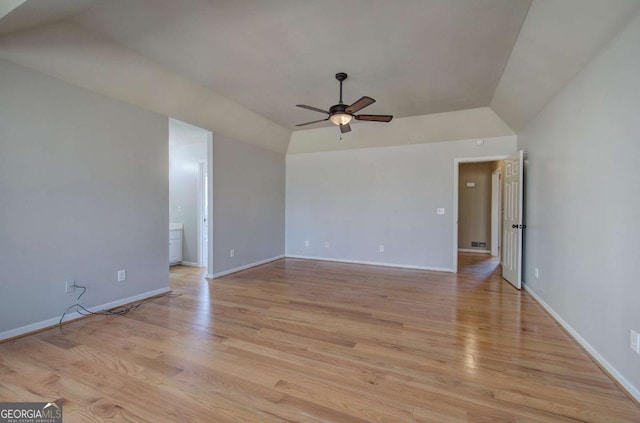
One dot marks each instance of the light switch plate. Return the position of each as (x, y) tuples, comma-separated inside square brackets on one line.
[(440, 210)]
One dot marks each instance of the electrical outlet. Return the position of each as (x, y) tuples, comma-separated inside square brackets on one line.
[(122, 275), (232, 253), (474, 244), (69, 287), (382, 248), (306, 243), (482, 244), (536, 273), (326, 244), (634, 341)]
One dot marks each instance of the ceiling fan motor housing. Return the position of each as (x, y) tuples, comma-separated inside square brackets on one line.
[(339, 108)]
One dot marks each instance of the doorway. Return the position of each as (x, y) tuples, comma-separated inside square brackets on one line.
[(476, 242), (190, 175)]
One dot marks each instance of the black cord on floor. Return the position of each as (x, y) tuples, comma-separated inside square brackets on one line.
[(116, 311)]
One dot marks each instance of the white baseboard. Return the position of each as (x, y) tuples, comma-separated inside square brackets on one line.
[(471, 250), (189, 264), (628, 386), (373, 263), (12, 333), (245, 267)]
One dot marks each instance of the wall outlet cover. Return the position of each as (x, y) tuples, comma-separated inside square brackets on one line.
[(122, 275), (635, 341)]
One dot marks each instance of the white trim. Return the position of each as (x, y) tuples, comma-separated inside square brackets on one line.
[(190, 264), (470, 250), (372, 263), (200, 206), (211, 201), (496, 210), (12, 333), (456, 175), (628, 386), (245, 267)]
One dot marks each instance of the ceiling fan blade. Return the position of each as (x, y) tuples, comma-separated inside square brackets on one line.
[(314, 121), (360, 104), (374, 118), (345, 128), (315, 109)]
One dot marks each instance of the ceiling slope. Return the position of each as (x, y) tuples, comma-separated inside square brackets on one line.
[(74, 54), (32, 13), (236, 67), (557, 40)]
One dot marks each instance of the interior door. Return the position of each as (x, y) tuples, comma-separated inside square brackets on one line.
[(512, 222)]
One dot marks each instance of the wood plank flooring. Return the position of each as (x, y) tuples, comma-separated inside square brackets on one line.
[(308, 341)]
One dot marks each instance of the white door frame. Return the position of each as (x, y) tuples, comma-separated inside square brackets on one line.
[(203, 258), (456, 177), (211, 201), (496, 208)]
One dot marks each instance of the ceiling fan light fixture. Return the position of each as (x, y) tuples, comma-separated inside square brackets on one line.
[(341, 118)]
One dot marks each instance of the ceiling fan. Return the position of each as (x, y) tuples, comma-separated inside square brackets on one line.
[(341, 114)]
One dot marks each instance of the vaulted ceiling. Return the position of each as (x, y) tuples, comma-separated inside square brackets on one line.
[(260, 58), (414, 57)]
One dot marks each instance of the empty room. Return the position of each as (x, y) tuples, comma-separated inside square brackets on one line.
[(319, 211)]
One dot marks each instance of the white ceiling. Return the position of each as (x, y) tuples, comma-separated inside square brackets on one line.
[(414, 57), (202, 60)]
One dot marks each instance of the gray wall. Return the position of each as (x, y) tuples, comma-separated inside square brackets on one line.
[(357, 200), (183, 193), (248, 204), (582, 180), (83, 189), (474, 205)]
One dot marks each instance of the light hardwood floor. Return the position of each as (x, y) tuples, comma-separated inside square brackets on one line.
[(299, 340)]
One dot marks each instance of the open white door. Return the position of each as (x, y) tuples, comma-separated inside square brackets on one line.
[(512, 223)]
